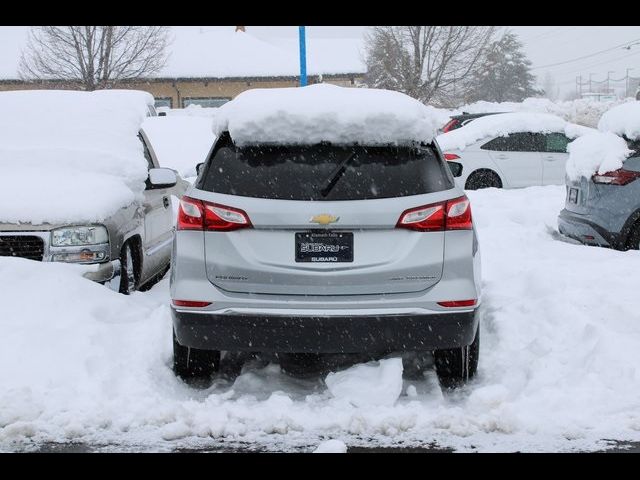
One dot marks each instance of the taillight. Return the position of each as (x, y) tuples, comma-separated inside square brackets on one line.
[(451, 156), (451, 125), (617, 177), (196, 214), (437, 217)]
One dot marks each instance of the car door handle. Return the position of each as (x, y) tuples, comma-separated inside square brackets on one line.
[(549, 158), (502, 157), (166, 202)]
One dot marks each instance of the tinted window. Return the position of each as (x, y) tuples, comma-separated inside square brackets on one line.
[(517, 142), (306, 172), (147, 153), (556, 142)]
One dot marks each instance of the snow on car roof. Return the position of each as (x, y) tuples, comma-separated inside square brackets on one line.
[(70, 156), (599, 152), (326, 113), (623, 120), (503, 124)]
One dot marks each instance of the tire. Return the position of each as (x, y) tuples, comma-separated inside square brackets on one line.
[(633, 241), (194, 363), (128, 273), (483, 179), (456, 366)]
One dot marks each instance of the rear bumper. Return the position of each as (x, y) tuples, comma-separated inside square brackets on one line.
[(587, 231), (330, 334)]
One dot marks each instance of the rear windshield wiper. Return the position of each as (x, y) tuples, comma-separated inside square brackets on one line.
[(336, 175)]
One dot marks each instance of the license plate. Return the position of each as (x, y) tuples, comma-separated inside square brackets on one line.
[(324, 247), (573, 195)]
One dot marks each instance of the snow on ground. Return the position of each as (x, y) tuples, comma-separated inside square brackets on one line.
[(559, 367), (325, 113), (504, 124), (180, 142), (57, 147)]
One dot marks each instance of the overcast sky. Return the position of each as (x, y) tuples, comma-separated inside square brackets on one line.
[(544, 45)]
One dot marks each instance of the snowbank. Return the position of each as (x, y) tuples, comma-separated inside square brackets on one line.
[(559, 367), (622, 120), (331, 446), (325, 113), (180, 142), (374, 383), (69, 156), (598, 152), (191, 111), (503, 124)]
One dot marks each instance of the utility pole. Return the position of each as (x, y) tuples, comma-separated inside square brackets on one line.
[(626, 90), (580, 86), (608, 73), (590, 88), (303, 56)]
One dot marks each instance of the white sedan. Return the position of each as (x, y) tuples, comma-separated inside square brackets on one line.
[(510, 150)]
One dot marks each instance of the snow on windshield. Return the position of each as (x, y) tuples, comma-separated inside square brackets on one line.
[(326, 113), (501, 125), (70, 156)]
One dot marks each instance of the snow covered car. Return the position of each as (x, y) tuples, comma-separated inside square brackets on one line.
[(602, 205), (510, 150), (325, 220), (82, 184), (459, 121)]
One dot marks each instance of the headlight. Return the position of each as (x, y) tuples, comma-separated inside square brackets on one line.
[(73, 236)]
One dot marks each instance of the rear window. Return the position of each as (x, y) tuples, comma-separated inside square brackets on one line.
[(324, 172)]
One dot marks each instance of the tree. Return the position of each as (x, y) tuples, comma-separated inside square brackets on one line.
[(94, 56), (505, 74), (549, 87), (428, 63)]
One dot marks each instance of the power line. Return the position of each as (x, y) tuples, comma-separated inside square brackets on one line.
[(583, 68), (626, 44)]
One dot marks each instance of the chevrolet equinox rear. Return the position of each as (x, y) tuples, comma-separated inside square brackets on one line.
[(324, 247)]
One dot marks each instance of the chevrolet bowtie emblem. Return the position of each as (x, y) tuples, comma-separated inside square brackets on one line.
[(324, 219)]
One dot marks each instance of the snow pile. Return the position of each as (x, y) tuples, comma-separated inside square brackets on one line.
[(69, 156), (623, 120), (606, 150), (325, 113), (192, 110), (331, 446), (503, 124), (373, 383), (582, 111), (599, 152), (559, 367), (179, 141)]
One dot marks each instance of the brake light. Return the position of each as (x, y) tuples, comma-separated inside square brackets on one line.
[(451, 156), (437, 217), (190, 303), (196, 214), (617, 177), (458, 303)]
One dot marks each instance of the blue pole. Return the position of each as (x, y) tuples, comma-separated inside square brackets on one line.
[(303, 57)]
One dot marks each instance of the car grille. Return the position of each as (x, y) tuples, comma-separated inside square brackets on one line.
[(30, 247)]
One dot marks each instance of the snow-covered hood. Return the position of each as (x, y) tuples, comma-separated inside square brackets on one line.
[(69, 156), (503, 124), (326, 113)]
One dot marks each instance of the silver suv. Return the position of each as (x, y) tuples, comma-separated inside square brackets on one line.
[(325, 249), (130, 249)]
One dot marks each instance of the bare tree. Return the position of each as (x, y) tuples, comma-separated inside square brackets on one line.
[(429, 63), (94, 56)]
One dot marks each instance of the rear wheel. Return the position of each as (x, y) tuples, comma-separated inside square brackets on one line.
[(633, 243), (192, 362), (483, 179), (456, 366)]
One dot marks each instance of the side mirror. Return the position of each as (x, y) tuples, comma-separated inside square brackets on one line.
[(162, 178), (162, 114), (456, 168), (199, 167)]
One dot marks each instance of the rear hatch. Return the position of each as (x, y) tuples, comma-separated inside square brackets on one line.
[(324, 219)]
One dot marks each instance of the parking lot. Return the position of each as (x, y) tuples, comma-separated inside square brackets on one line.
[(558, 371)]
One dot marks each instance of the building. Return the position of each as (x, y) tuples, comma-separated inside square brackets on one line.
[(208, 66)]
